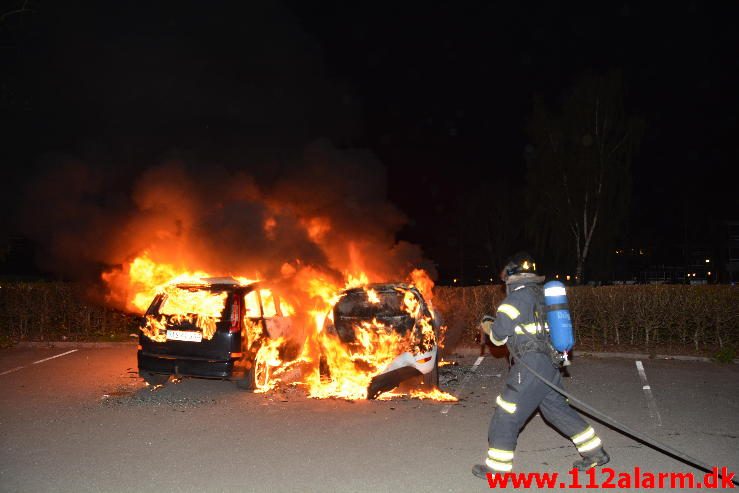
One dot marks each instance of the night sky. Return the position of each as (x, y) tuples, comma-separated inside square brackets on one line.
[(440, 92)]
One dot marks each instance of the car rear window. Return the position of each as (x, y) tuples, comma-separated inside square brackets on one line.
[(200, 302), (383, 304), (360, 306)]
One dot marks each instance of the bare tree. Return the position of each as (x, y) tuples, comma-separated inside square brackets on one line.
[(20, 9), (579, 166)]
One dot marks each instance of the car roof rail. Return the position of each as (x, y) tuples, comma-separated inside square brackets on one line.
[(217, 283)]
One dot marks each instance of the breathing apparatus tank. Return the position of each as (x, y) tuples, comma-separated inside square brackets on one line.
[(558, 316)]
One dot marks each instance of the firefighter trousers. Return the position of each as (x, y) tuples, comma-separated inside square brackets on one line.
[(522, 395)]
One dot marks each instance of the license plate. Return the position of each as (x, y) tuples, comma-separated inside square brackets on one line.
[(184, 335)]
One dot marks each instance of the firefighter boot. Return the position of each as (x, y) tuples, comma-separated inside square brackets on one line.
[(595, 458), (482, 470)]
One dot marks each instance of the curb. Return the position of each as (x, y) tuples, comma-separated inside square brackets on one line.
[(73, 344), (475, 351), (460, 351)]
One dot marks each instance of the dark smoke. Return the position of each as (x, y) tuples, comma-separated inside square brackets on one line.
[(207, 141), (212, 218)]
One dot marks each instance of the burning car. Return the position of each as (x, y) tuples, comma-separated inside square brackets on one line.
[(223, 328), (386, 331)]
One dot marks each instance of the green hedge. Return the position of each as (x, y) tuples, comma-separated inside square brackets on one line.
[(698, 319), (41, 311)]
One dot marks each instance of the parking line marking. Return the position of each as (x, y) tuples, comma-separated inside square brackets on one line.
[(12, 370), (464, 382), (651, 402), (52, 357), (36, 362)]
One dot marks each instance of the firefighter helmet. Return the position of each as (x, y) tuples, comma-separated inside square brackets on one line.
[(520, 263)]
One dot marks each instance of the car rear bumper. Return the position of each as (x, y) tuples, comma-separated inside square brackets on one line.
[(423, 362), (212, 358), (403, 367), (185, 366), (389, 380)]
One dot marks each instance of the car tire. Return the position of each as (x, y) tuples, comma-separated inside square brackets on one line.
[(154, 378), (249, 380), (262, 374), (431, 379), (324, 372)]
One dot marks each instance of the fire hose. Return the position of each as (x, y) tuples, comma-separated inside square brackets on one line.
[(657, 445)]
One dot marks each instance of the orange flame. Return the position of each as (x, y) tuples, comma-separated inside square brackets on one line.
[(351, 368), (266, 363)]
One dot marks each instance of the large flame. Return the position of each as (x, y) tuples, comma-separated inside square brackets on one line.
[(351, 367)]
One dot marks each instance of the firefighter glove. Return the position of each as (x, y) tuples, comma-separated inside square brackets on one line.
[(487, 325)]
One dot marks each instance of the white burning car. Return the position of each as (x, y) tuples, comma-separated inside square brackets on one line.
[(387, 331)]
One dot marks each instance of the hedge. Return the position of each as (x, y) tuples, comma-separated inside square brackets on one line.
[(650, 317), (41, 311)]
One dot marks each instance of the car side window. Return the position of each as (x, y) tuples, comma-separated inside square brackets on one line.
[(253, 305), (268, 304)]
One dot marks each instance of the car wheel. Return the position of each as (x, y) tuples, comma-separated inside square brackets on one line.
[(431, 379), (249, 380), (324, 371), (154, 378), (262, 374)]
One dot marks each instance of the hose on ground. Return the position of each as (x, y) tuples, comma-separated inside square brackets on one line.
[(662, 447)]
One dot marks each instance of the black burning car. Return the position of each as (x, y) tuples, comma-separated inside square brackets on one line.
[(211, 328)]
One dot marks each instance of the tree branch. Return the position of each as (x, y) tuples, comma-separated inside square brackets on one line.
[(16, 11)]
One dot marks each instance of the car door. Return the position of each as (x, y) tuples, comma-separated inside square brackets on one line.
[(278, 324)]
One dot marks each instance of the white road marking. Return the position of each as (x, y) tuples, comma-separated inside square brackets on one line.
[(11, 371), (651, 403), (36, 362), (446, 408), (52, 357)]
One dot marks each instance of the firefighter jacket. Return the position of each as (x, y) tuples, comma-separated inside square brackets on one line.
[(517, 323)]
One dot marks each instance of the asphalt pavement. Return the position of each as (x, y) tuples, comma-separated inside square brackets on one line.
[(78, 419)]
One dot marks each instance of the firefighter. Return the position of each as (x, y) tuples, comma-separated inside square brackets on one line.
[(519, 324)]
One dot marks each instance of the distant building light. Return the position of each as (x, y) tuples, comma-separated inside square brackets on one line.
[(491, 279), (556, 276), (455, 280), (568, 277), (709, 272), (708, 260)]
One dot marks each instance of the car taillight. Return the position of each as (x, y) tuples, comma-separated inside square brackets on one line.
[(236, 316)]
